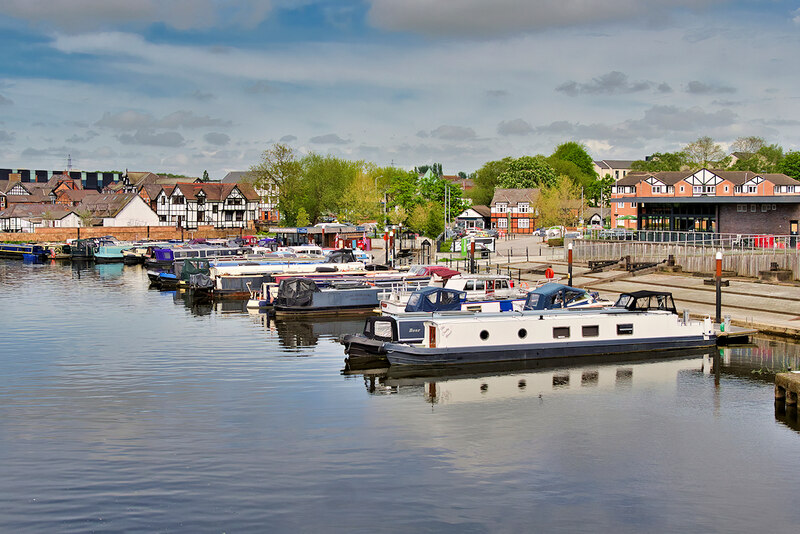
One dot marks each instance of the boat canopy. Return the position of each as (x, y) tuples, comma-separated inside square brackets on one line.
[(343, 255), (552, 295), (646, 300), (296, 291), (433, 299)]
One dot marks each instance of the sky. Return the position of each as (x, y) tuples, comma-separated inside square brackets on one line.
[(183, 86)]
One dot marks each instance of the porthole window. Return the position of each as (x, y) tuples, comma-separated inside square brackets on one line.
[(484, 335), (522, 333)]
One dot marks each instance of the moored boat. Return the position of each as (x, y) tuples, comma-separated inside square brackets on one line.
[(25, 251), (303, 296), (642, 321)]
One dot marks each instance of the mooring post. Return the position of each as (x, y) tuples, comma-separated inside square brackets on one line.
[(718, 318), (569, 262)]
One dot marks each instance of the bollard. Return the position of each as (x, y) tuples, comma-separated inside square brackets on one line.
[(569, 263), (718, 318)]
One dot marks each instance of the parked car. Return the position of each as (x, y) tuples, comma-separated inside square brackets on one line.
[(619, 234), (573, 235)]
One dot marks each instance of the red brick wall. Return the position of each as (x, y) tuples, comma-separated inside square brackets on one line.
[(126, 233)]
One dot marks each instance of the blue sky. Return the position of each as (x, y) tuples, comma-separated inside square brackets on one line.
[(190, 85)]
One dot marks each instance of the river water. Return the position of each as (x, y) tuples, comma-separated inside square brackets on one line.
[(124, 409)]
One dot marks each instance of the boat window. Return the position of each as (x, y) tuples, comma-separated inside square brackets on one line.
[(383, 329), (504, 284), (533, 300), (479, 285), (413, 300), (625, 329), (484, 335), (448, 297), (560, 332), (590, 330), (431, 298), (469, 286), (522, 333)]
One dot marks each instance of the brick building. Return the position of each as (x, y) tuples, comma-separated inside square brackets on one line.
[(704, 200), (513, 210)]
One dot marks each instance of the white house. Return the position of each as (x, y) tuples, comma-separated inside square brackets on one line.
[(119, 209), (214, 204), (20, 217)]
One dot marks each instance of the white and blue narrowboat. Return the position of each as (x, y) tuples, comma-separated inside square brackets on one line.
[(639, 322)]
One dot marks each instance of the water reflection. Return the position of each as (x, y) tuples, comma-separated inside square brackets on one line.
[(504, 381), (300, 332)]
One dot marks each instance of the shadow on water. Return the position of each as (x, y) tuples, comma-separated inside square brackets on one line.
[(787, 415)]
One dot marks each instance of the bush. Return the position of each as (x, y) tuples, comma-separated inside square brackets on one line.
[(555, 242)]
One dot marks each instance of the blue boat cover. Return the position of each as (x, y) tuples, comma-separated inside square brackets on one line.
[(552, 295), (433, 299)]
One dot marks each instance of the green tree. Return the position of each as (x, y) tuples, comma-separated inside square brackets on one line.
[(705, 153), (86, 216), (577, 154), (361, 201), (560, 203), (434, 225), (790, 166), (527, 172), (324, 180), (280, 173), (302, 217), (766, 159), (662, 161), (486, 179), (205, 176)]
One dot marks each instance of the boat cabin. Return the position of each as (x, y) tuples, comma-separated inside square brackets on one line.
[(479, 286), (646, 301), (433, 299), (552, 296)]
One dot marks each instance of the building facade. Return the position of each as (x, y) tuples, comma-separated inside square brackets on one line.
[(208, 204), (513, 210), (707, 201)]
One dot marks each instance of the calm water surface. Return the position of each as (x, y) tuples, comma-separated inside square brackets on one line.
[(124, 409)]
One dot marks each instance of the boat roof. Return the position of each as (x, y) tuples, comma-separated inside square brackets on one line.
[(647, 293), (552, 288)]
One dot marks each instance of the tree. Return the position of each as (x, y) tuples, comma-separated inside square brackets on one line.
[(302, 217), (486, 179), (662, 161), (704, 153), (790, 166), (434, 225), (280, 174), (527, 172), (205, 176), (86, 216), (560, 203), (577, 154), (361, 201), (324, 180), (748, 145), (767, 159)]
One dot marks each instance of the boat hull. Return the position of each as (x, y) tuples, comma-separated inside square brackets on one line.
[(400, 354)]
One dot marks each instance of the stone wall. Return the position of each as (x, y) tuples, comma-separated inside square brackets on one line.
[(126, 233), (772, 222)]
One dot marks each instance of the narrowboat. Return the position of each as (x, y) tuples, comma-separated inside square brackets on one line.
[(641, 322), (28, 252), (302, 296), (167, 256)]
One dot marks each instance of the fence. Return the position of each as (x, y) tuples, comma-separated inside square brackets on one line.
[(743, 255)]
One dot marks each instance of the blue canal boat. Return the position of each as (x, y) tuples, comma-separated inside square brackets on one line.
[(28, 252)]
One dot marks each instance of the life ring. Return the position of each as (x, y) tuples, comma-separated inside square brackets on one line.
[(524, 285), (548, 273)]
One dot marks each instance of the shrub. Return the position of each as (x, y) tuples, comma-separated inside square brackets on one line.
[(555, 242)]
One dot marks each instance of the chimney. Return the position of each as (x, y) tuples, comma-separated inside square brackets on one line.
[(14, 177)]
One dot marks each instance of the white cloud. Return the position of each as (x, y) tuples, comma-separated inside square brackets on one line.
[(328, 139), (453, 133), (514, 127), (216, 138), (150, 138)]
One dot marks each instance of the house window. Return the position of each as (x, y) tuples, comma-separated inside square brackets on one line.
[(214, 208), (620, 204), (752, 188), (162, 218), (741, 208), (201, 201), (764, 208), (670, 189), (228, 215), (737, 189), (501, 208), (681, 189), (656, 189), (726, 189), (752, 208), (502, 223), (163, 200), (523, 223), (697, 189), (633, 204), (774, 207), (177, 200), (616, 175), (709, 189), (523, 207)]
